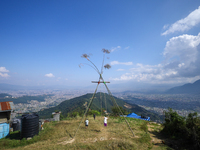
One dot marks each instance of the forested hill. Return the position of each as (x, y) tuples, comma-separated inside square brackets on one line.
[(78, 104)]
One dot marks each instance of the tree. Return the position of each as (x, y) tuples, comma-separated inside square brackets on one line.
[(187, 129), (174, 124), (116, 111), (193, 129), (91, 112)]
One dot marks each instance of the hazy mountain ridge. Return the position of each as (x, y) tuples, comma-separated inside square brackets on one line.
[(24, 99), (10, 87), (4, 95), (189, 88)]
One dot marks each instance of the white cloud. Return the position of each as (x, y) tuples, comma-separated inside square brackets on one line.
[(115, 48), (4, 75), (3, 69), (120, 69), (186, 23), (165, 26), (127, 47), (183, 47), (120, 63), (50, 75), (2, 72), (181, 64)]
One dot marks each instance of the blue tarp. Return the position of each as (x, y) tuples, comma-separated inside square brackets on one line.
[(133, 115)]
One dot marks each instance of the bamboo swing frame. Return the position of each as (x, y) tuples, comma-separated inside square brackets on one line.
[(101, 80)]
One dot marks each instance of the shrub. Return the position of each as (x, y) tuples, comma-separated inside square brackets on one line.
[(91, 112), (144, 127), (186, 129), (117, 112), (174, 124)]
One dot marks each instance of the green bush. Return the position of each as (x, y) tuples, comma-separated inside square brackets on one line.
[(116, 111), (144, 127), (186, 129), (175, 124), (91, 112)]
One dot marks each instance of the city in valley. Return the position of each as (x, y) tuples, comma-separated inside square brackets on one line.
[(158, 103)]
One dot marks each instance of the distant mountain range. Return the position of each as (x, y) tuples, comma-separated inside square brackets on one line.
[(189, 88), (77, 104), (10, 87), (24, 99), (4, 95)]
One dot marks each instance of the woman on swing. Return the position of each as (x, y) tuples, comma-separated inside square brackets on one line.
[(105, 121)]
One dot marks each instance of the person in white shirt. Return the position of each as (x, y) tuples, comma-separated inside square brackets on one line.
[(105, 121), (86, 123)]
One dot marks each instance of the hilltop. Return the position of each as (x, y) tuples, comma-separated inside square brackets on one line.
[(78, 104)]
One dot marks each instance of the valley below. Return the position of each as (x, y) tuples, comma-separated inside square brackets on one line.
[(157, 103)]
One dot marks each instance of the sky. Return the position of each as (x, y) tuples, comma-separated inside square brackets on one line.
[(150, 42)]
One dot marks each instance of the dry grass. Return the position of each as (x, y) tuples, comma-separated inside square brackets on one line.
[(115, 136)]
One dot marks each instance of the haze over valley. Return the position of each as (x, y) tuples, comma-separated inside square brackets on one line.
[(30, 100)]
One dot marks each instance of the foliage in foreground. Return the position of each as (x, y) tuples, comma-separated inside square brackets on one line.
[(185, 129), (117, 112)]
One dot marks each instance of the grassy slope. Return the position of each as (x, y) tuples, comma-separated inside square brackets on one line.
[(116, 136)]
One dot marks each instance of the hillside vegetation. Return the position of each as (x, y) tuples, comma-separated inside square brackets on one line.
[(184, 131), (57, 135), (78, 104)]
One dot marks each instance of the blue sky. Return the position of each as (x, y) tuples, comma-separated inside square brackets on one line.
[(151, 42)]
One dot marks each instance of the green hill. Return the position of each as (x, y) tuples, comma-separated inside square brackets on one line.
[(77, 104)]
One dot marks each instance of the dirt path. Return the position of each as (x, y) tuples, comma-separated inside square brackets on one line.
[(157, 139)]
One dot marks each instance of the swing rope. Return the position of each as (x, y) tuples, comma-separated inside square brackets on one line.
[(105, 100), (86, 110), (119, 108), (101, 100), (101, 78), (114, 102)]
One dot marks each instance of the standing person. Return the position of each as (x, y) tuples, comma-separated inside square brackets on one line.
[(94, 116), (105, 121), (86, 123)]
